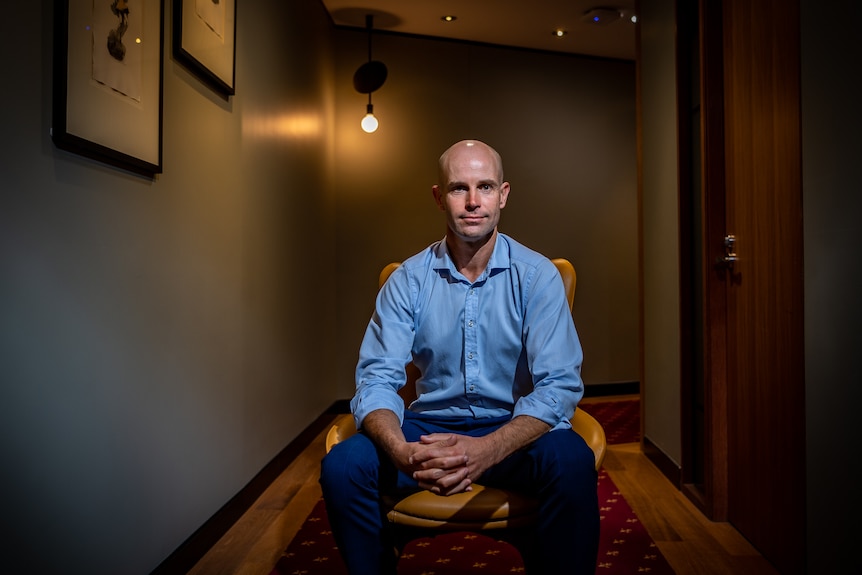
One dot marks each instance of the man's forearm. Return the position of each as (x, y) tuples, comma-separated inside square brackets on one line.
[(384, 429), (520, 432)]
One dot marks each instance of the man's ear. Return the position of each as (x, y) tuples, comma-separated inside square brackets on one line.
[(504, 194), (435, 191)]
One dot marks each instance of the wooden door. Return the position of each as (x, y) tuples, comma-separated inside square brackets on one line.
[(755, 302)]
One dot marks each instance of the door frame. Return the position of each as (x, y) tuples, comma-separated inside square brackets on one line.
[(700, 53)]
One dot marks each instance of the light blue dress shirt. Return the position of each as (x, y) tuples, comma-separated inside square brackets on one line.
[(502, 345)]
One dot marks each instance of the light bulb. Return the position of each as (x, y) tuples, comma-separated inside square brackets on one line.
[(369, 122)]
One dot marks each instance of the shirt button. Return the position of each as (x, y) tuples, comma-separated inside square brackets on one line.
[(470, 323), (470, 356), (472, 388)]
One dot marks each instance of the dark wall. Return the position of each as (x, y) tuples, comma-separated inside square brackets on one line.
[(831, 149), (565, 126)]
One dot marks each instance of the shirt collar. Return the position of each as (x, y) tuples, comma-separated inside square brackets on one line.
[(500, 259)]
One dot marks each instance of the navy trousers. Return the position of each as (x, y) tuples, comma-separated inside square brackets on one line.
[(558, 469)]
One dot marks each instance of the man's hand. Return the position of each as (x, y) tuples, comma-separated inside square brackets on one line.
[(449, 463), (441, 463)]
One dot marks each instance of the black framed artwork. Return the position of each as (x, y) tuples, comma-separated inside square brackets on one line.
[(204, 34), (107, 102)]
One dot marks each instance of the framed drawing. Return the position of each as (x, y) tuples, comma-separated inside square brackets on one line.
[(203, 40), (107, 102)]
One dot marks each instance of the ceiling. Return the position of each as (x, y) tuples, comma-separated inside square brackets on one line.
[(519, 23)]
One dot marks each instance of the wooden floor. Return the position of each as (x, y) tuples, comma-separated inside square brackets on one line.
[(691, 543)]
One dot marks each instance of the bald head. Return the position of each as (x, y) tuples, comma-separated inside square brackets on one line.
[(469, 151)]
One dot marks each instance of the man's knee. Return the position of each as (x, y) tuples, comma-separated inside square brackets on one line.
[(564, 452), (352, 461)]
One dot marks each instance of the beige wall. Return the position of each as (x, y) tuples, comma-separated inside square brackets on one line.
[(161, 341), (660, 223), (565, 127)]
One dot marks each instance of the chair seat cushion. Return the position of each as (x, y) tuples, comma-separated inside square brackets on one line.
[(481, 508)]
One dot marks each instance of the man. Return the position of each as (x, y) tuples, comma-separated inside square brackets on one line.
[(487, 323)]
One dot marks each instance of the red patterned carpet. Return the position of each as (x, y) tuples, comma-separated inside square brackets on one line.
[(624, 547), (621, 419)]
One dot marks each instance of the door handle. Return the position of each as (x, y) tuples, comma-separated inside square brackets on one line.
[(729, 257), (729, 250)]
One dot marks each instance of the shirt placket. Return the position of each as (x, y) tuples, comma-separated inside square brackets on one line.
[(471, 342)]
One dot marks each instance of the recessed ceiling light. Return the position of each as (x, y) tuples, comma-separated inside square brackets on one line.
[(449, 18), (629, 15), (559, 32)]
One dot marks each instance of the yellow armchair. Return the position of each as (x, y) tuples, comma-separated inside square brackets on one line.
[(484, 508)]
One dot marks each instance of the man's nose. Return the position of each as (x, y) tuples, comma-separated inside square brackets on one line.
[(472, 198)]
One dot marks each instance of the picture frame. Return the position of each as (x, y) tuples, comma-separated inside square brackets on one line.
[(204, 41), (107, 93)]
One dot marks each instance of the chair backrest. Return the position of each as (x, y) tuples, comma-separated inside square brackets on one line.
[(570, 280)]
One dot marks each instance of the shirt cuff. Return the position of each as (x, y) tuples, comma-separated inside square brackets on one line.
[(548, 408), (361, 405)]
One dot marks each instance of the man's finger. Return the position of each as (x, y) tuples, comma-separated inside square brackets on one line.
[(443, 439)]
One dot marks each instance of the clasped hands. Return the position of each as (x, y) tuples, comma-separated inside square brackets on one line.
[(448, 463)]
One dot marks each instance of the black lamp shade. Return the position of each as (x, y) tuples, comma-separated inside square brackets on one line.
[(369, 77)]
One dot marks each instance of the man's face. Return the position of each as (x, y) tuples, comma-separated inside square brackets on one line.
[(471, 193)]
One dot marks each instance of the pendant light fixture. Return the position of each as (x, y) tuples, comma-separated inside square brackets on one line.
[(368, 78)]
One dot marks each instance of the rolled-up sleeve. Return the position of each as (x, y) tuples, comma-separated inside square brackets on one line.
[(385, 351), (554, 353)]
